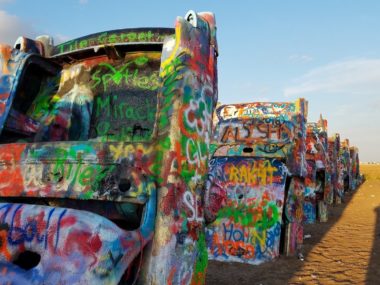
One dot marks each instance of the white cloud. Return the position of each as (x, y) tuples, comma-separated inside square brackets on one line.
[(58, 39), (5, 1), (343, 110), (262, 99), (347, 93), (301, 58), (83, 2), (12, 27), (358, 76), (374, 104)]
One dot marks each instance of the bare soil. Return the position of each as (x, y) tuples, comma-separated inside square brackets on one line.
[(345, 250)]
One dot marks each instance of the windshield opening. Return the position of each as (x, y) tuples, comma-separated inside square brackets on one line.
[(98, 99)]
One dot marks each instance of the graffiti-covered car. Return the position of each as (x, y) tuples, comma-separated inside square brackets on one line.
[(356, 178), (257, 169), (345, 163), (318, 187), (103, 155), (335, 168)]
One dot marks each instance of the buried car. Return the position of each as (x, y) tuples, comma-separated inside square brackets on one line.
[(318, 185), (103, 155), (345, 164), (335, 166), (356, 178), (257, 166)]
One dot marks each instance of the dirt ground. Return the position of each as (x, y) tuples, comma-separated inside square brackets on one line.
[(345, 250)]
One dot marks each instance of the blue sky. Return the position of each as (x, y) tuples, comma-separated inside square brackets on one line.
[(327, 51)]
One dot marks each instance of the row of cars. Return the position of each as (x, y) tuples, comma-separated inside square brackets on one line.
[(275, 172), (113, 159)]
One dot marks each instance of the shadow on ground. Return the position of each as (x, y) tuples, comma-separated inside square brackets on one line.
[(373, 273)]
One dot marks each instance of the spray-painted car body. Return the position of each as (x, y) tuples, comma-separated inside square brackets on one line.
[(122, 120), (257, 145), (335, 165), (356, 178), (318, 187), (345, 161)]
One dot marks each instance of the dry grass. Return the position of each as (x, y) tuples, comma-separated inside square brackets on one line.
[(370, 171)]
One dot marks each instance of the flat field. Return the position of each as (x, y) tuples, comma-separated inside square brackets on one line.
[(345, 250)]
